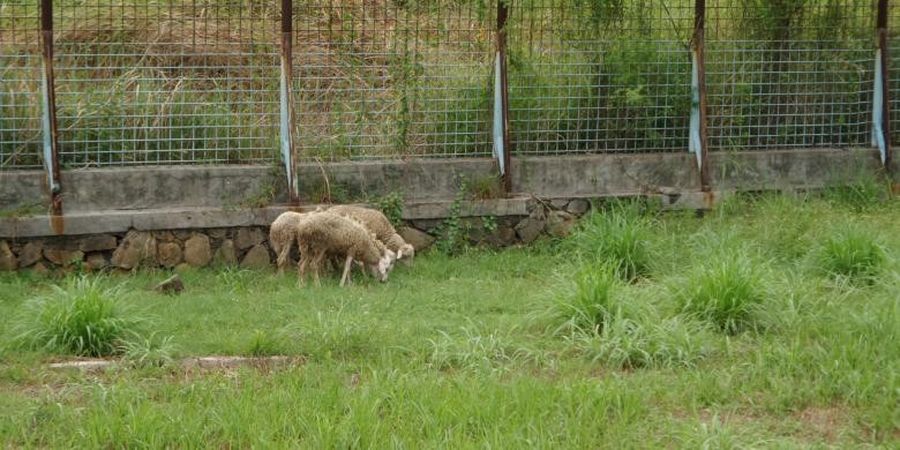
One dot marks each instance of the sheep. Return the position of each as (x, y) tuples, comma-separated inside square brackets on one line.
[(282, 234), (377, 223), (322, 233)]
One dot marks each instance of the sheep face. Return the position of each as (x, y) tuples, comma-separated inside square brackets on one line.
[(384, 265), (406, 251)]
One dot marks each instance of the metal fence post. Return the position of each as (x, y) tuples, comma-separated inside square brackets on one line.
[(500, 133), (881, 108), (698, 133), (287, 104), (48, 116)]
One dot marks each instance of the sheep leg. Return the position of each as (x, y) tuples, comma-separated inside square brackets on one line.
[(301, 271), (348, 264), (319, 256), (283, 254)]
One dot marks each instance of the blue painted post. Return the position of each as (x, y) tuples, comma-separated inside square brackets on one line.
[(49, 131), (697, 142), (881, 111), (501, 100), (288, 156)]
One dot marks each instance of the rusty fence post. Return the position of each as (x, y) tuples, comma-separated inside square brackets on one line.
[(881, 108), (288, 155), (500, 135), (49, 131), (697, 143)]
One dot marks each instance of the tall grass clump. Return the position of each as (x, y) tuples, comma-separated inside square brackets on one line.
[(619, 236), (603, 323), (852, 254), (82, 318), (725, 290), (588, 306)]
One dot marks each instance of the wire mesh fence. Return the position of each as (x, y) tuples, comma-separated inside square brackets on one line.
[(381, 78), (590, 76), (789, 74), (167, 82), (197, 81), (20, 84)]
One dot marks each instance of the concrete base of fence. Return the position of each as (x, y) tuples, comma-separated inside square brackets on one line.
[(200, 197)]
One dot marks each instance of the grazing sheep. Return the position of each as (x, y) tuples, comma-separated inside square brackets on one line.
[(282, 235), (324, 233), (377, 223)]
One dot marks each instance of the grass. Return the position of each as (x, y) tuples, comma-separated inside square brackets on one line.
[(474, 350)]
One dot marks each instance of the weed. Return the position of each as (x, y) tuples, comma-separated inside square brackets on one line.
[(83, 318), (392, 207), (589, 305), (620, 235), (484, 188), (851, 253), (264, 343), (863, 194), (151, 351), (725, 290), (452, 234), (489, 223)]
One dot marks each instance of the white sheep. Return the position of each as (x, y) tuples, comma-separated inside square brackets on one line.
[(282, 234), (323, 233), (379, 224)]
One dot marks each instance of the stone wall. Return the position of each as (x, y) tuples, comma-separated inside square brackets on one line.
[(248, 247)]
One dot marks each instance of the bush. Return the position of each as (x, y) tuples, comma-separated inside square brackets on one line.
[(619, 236), (82, 319), (853, 254), (726, 290)]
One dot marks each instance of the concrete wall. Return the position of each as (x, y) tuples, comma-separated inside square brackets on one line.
[(116, 199)]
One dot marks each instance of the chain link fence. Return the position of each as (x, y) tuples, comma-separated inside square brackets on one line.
[(197, 81)]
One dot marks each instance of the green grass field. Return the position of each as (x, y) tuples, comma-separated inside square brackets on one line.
[(771, 322)]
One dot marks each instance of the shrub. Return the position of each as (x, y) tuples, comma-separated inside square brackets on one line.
[(726, 290), (83, 318), (619, 236), (851, 253)]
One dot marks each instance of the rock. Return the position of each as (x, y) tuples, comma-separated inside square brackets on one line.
[(559, 203), (182, 235), (529, 229), (63, 257), (217, 233), (560, 223), (168, 254), (164, 236), (98, 243), (420, 240), (257, 258), (248, 237), (226, 254), (31, 253), (197, 251), (8, 261), (578, 206), (503, 236), (136, 248), (426, 224), (172, 285), (40, 269), (96, 261)]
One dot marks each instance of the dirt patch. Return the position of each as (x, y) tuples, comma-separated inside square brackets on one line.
[(825, 423)]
